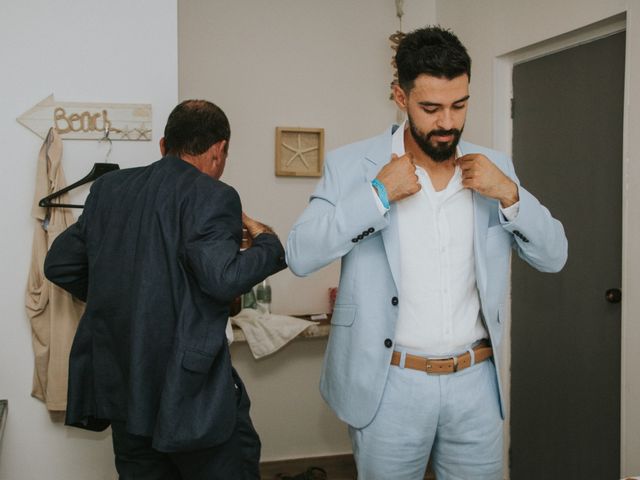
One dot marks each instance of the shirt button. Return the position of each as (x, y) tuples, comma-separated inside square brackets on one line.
[(394, 301), (388, 343)]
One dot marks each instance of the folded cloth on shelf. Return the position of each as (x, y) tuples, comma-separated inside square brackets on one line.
[(228, 331), (267, 333)]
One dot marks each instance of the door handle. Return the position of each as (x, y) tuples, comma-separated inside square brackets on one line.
[(613, 295)]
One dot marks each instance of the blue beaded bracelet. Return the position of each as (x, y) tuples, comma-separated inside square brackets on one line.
[(382, 192)]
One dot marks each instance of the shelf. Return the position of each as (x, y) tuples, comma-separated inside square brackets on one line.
[(319, 329)]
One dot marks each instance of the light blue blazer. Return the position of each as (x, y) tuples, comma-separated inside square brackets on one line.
[(363, 324)]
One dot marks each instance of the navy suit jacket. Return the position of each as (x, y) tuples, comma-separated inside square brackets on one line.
[(156, 257)]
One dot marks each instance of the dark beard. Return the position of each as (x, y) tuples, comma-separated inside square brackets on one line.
[(442, 151)]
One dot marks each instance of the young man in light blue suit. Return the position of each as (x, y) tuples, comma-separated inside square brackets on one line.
[(424, 226)]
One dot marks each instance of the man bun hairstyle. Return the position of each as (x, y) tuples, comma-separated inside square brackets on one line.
[(433, 51), (193, 126)]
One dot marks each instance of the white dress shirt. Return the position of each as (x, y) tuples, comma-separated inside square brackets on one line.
[(439, 303)]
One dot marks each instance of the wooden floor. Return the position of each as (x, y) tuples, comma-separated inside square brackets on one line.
[(338, 467)]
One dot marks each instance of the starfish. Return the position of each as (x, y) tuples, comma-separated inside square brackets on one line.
[(298, 152), (143, 132), (124, 133)]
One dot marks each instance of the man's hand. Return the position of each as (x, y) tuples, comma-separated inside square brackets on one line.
[(254, 227), (480, 174), (399, 177)]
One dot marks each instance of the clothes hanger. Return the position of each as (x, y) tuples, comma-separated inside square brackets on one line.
[(99, 169)]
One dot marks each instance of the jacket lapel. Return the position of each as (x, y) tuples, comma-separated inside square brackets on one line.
[(379, 153), (377, 157), (481, 210), (481, 226)]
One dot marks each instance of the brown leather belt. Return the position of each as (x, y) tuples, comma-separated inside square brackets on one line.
[(444, 365)]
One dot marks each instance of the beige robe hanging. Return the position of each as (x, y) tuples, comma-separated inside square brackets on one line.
[(54, 314)]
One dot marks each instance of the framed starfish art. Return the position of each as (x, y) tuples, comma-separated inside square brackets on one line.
[(299, 152)]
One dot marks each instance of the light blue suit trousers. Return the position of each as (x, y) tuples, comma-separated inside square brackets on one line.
[(455, 417)]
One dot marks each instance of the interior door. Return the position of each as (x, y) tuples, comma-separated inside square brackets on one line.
[(565, 377)]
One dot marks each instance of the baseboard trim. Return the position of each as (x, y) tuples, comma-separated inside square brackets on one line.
[(338, 467)]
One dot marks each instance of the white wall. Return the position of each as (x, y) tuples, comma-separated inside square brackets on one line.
[(293, 63), (493, 28), (94, 51)]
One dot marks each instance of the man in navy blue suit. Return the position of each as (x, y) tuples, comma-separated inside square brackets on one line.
[(156, 256)]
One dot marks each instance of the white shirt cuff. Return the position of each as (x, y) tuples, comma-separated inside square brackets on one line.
[(510, 213), (379, 204)]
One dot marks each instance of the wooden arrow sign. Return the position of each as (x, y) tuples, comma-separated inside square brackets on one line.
[(89, 121)]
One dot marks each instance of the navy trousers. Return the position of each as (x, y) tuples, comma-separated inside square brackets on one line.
[(236, 459)]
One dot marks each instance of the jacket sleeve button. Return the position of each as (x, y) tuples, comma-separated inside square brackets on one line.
[(388, 343), (371, 230), (394, 301), (354, 240)]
